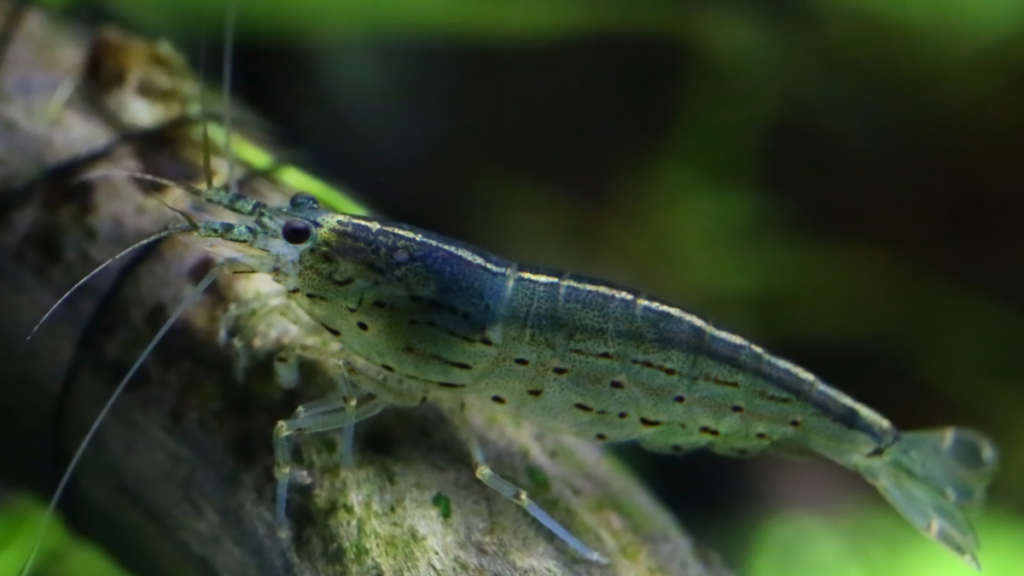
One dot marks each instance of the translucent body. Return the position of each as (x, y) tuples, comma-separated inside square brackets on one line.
[(422, 317), (425, 318), (580, 355)]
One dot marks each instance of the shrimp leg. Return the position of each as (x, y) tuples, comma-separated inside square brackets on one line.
[(324, 415), (519, 495)]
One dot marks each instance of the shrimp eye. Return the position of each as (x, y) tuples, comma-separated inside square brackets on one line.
[(296, 231), (303, 200)]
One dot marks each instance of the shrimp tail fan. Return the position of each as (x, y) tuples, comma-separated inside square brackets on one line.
[(930, 476)]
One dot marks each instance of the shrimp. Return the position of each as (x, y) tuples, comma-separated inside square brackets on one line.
[(424, 318), (417, 317)]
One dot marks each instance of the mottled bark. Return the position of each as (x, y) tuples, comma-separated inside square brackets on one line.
[(179, 480)]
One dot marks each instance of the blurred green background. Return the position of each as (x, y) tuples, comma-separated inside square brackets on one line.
[(842, 181)]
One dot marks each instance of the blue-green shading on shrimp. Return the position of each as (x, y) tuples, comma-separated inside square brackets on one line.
[(425, 318)]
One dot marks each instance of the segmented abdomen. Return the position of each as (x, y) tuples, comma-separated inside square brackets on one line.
[(575, 354), (611, 364)]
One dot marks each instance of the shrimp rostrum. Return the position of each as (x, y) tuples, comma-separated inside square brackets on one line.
[(422, 318)]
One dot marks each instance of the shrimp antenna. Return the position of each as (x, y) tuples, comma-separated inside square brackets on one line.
[(231, 200), (155, 237), (51, 508), (226, 68), (207, 168), (236, 203), (194, 190)]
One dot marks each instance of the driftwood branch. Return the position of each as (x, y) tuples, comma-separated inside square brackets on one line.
[(180, 479)]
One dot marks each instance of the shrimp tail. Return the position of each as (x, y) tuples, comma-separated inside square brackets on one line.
[(929, 475)]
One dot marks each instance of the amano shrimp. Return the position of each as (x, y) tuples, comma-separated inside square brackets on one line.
[(423, 318), (420, 317)]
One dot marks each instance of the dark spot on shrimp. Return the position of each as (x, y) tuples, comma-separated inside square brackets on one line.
[(600, 436), (343, 283), (659, 367), (601, 412), (763, 436), (709, 431), (486, 341), (437, 358), (450, 385), (679, 399), (443, 306), (560, 371), (281, 359), (535, 393), (379, 304), (583, 407), (327, 255), (498, 399), (463, 337), (331, 330), (295, 291), (737, 408), (452, 333), (522, 361), (616, 384), (623, 415), (742, 452), (650, 423), (387, 368), (362, 326), (795, 422), (774, 398), (720, 382), (312, 296), (582, 352)]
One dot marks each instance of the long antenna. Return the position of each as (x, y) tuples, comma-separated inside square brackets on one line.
[(187, 302), (158, 236), (226, 67), (51, 508), (207, 169)]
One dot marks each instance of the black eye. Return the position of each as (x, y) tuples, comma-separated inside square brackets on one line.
[(303, 200), (296, 231)]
